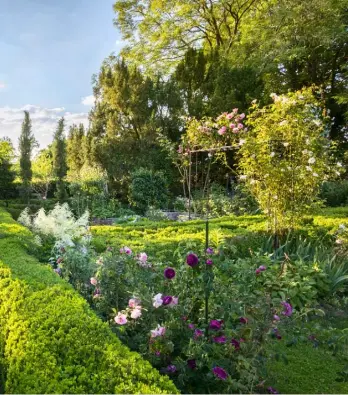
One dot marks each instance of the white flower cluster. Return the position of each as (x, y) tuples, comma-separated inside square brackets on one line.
[(59, 223)]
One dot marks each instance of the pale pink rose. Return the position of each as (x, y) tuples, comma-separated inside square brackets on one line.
[(136, 313), (232, 125), (157, 300), (121, 319), (240, 126), (94, 281), (235, 130), (174, 302), (126, 250), (133, 303), (159, 331), (242, 116), (222, 130), (142, 257), (230, 115)]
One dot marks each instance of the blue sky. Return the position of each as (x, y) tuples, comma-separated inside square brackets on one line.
[(49, 51)]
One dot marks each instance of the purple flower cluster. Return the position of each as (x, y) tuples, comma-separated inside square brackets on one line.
[(287, 309), (215, 325), (260, 269), (220, 373)]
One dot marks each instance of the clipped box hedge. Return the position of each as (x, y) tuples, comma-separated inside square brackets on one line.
[(50, 340)]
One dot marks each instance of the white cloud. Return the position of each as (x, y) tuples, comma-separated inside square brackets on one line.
[(2, 85), (44, 121), (88, 100)]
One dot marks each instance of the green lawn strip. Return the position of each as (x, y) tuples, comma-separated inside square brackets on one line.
[(308, 370)]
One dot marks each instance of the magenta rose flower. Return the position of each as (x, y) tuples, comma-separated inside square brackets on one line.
[(209, 251), (243, 320), (209, 262), (167, 300), (169, 273), (192, 260), (220, 373), (235, 343), (219, 339), (215, 325)]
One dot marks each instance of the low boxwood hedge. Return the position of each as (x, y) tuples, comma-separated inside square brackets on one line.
[(51, 341)]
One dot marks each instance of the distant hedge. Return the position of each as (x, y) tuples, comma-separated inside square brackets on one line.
[(51, 341)]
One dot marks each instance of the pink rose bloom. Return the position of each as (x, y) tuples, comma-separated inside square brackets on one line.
[(232, 125), (126, 250), (235, 110), (242, 116), (174, 302), (159, 331), (121, 319), (222, 130), (133, 303), (94, 281), (235, 130), (142, 257), (240, 126), (230, 115), (136, 313)]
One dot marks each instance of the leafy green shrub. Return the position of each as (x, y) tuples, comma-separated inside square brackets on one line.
[(148, 189), (51, 341), (334, 193)]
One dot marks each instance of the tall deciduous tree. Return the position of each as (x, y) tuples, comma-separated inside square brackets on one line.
[(160, 32), (26, 144), (59, 160)]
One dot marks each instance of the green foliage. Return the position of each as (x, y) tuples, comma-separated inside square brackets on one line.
[(7, 174), (307, 369), (59, 160), (54, 343), (148, 189), (43, 172), (334, 193), (285, 156), (26, 144)]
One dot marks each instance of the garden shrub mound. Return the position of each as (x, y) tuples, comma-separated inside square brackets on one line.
[(50, 340)]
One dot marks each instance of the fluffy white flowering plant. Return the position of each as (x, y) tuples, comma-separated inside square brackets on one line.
[(59, 224)]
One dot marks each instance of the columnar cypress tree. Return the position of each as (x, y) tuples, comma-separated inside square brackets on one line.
[(59, 160), (26, 144)]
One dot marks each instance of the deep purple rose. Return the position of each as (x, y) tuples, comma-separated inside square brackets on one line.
[(219, 339), (167, 300), (191, 326), (215, 325), (262, 268), (220, 373), (287, 309), (209, 262), (192, 260), (235, 343), (169, 273), (257, 271), (191, 363), (198, 333), (276, 333), (243, 320), (171, 369)]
